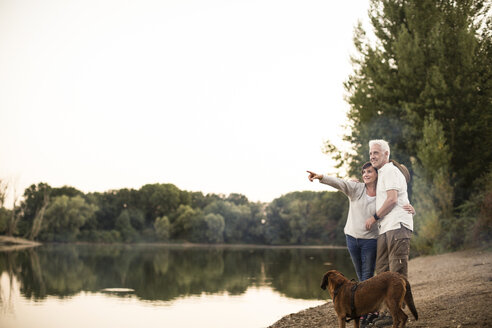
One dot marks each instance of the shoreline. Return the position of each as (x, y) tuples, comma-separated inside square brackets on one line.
[(450, 290), (7, 241)]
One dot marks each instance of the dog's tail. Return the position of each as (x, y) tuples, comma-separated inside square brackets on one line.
[(409, 300)]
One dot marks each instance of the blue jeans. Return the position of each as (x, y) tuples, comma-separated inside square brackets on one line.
[(363, 253)]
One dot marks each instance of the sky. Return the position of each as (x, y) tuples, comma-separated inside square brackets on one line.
[(218, 96)]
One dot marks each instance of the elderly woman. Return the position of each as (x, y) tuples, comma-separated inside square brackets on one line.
[(361, 243)]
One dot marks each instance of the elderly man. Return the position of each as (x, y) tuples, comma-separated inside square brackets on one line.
[(395, 223)]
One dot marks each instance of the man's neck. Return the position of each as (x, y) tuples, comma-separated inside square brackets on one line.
[(384, 163)]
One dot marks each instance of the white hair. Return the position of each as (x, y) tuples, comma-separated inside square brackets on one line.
[(382, 143)]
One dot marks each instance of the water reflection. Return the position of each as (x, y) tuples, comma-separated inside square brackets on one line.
[(168, 273)]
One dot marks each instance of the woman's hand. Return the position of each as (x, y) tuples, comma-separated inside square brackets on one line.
[(313, 176), (370, 222), (409, 208)]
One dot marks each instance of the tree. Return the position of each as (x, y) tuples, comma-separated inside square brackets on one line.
[(110, 205), (429, 68), (64, 217), (306, 218), (4, 213), (158, 200), (162, 228), (183, 222), (37, 222), (233, 215), (429, 57), (124, 226), (215, 225), (478, 211), (328, 217), (4, 186), (297, 214), (252, 224), (36, 197), (237, 199), (433, 191)]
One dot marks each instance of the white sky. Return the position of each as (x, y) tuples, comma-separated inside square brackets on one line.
[(215, 96)]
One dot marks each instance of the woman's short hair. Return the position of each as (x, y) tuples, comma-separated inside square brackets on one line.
[(366, 165)]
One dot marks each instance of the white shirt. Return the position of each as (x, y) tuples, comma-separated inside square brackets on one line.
[(391, 178), (361, 207)]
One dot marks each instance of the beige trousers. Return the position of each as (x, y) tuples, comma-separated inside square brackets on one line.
[(393, 250)]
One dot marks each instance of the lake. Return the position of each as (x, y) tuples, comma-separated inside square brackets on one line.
[(161, 286)]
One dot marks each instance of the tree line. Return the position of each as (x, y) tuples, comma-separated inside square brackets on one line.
[(164, 213)]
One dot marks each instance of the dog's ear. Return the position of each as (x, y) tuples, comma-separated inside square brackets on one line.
[(324, 282)]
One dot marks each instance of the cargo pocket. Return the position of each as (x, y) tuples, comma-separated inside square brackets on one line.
[(400, 249), (402, 233), (399, 255)]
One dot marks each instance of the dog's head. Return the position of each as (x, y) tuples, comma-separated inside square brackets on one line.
[(332, 279)]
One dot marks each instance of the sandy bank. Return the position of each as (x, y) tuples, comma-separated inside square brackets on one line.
[(450, 290)]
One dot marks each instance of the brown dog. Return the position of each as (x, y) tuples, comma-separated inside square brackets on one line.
[(368, 296)]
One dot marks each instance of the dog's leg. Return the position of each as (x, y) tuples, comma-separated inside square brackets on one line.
[(393, 308), (341, 322), (394, 304), (396, 320), (403, 319)]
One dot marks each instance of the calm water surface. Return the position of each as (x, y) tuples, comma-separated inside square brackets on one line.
[(161, 286)]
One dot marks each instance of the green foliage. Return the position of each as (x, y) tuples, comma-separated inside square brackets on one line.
[(477, 211), (122, 216), (198, 200), (233, 215), (64, 217), (237, 199), (430, 57), (429, 68), (306, 218), (124, 226), (183, 222), (329, 215), (100, 236), (157, 200), (432, 190), (162, 228), (5, 215), (32, 203), (215, 225)]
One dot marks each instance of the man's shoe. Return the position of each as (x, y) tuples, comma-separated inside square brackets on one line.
[(382, 321), (371, 317)]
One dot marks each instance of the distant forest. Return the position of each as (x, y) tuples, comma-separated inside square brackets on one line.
[(164, 213)]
